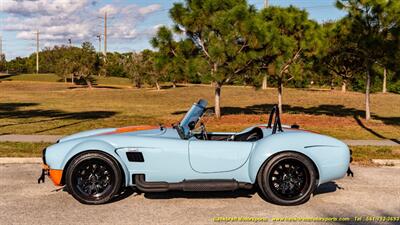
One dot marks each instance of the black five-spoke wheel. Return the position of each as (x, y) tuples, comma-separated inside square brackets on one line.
[(93, 178), (287, 179)]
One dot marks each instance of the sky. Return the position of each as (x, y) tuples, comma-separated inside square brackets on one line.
[(131, 23)]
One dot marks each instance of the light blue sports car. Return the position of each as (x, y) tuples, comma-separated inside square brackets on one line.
[(286, 164)]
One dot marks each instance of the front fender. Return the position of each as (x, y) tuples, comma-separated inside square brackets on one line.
[(58, 156), (330, 156)]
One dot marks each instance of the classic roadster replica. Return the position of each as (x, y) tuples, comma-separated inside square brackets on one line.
[(286, 164)]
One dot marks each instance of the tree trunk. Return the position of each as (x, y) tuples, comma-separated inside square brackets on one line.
[(72, 78), (65, 78), (367, 100), (217, 107), (344, 84), (332, 84), (89, 84), (265, 82), (158, 86), (280, 90), (384, 90), (173, 84)]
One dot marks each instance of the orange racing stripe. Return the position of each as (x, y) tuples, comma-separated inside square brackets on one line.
[(131, 129)]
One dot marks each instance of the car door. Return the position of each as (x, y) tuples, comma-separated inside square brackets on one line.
[(208, 156)]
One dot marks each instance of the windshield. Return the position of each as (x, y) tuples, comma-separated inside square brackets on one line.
[(192, 117)]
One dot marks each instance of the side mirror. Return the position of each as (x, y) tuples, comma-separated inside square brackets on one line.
[(192, 125)]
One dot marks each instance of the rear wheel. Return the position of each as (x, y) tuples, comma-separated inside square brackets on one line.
[(93, 178), (287, 179)]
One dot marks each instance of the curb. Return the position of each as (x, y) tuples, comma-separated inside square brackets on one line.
[(20, 160), (387, 162), (386, 142), (29, 138)]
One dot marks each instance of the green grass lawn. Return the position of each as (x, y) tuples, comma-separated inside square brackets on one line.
[(364, 154), (59, 108), (54, 78), (32, 77), (22, 149)]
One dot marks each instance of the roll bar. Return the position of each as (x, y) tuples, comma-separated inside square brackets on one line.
[(277, 122)]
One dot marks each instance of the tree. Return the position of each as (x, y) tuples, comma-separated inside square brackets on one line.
[(225, 32), (3, 63), (17, 65), (114, 65), (292, 37), (68, 64), (168, 58), (133, 66), (153, 70), (86, 63), (335, 57), (173, 56), (372, 24)]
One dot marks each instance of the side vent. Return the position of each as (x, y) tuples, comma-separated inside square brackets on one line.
[(135, 156)]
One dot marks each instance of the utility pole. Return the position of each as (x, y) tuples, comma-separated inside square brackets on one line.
[(1, 47), (265, 78), (105, 34), (37, 52), (99, 37), (105, 41), (266, 3)]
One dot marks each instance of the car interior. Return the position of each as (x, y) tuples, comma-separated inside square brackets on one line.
[(254, 134), (192, 125)]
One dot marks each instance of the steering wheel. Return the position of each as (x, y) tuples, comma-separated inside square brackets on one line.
[(203, 131)]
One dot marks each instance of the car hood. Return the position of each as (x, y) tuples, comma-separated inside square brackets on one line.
[(131, 130)]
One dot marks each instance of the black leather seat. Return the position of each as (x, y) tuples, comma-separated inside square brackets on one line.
[(254, 134)]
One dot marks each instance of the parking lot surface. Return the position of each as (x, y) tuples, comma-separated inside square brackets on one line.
[(373, 192)]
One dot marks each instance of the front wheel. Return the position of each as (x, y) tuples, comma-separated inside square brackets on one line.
[(287, 179), (93, 178)]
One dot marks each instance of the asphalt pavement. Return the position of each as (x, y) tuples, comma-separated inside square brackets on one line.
[(373, 192)]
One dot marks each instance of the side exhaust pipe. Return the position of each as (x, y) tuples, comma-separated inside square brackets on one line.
[(189, 185)]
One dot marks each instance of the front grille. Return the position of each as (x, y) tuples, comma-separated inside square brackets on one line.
[(135, 156)]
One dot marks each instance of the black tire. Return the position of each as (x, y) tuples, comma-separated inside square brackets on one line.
[(93, 178), (287, 179)]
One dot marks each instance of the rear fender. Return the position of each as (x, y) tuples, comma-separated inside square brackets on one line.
[(330, 156)]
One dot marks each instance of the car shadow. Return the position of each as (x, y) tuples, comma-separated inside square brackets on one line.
[(327, 188), (242, 193)]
